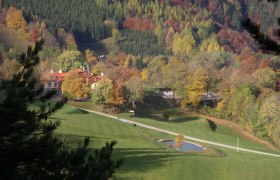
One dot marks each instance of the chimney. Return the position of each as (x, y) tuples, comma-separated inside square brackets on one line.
[(51, 70), (102, 74), (87, 68), (60, 71)]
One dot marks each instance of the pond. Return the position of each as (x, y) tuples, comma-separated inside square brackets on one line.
[(186, 146)]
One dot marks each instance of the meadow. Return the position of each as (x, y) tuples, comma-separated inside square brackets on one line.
[(146, 159)]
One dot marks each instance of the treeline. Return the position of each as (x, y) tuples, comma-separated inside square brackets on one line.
[(142, 43), (93, 20), (84, 18)]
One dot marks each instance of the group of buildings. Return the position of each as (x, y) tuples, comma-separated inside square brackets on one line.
[(53, 80)]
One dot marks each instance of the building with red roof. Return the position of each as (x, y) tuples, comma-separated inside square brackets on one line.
[(53, 80)]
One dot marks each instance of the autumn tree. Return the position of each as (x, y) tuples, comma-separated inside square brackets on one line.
[(196, 86), (69, 60), (269, 116), (121, 74), (15, 19), (243, 107), (75, 86), (210, 45), (116, 35), (118, 94), (34, 34), (103, 93), (179, 140), (8, 69), (91, 56), (154, 69), (174, 75), (169, 38), (276, 134), (265, 78), (71, 44), (183, 43), (98, 69), (135, 91), (266, 44)]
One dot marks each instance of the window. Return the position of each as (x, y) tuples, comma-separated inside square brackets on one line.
[(49, 84), (55, 85)]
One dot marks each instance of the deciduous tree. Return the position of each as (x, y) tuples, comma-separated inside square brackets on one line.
[(179, 140), (196, 86), (15, 19), (8, 69), (103, 93), (75, 86), (69, 60), (269, 115), (265, 78), (135, 88)]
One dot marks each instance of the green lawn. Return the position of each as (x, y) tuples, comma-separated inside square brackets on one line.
[(146, 159), (199, 128)]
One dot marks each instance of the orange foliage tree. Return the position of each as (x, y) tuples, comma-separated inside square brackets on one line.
[(118, 94), (139, 24), (15, 19)]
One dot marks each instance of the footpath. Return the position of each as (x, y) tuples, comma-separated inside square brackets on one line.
[(186, 137)]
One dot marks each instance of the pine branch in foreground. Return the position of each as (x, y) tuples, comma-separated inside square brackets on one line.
[(28, 147)]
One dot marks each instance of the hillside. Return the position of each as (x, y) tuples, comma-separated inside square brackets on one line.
[(201, 18), (146, 159), (201, 70), (10, 39)]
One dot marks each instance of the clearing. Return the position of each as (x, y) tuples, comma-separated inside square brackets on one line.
[(146, 159)]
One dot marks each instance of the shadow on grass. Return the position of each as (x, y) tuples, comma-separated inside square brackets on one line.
[(73, 137), (183, 119), (143, 159), (159, 117), (77, 111), (55, 118), (212, 125)]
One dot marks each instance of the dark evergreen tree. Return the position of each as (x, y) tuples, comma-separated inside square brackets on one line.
[(28, 147)]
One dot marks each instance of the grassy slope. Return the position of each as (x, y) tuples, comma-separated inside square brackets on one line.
[(145, 159), (9, 39)]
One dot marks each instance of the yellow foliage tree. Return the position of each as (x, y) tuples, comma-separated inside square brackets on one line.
[(90, 56), (74, 86), (197, 85), (269, 116), (144, 75), (179, 140), (116, 34), (98, 69), (183, 44), (210, 45), (15, 19)]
